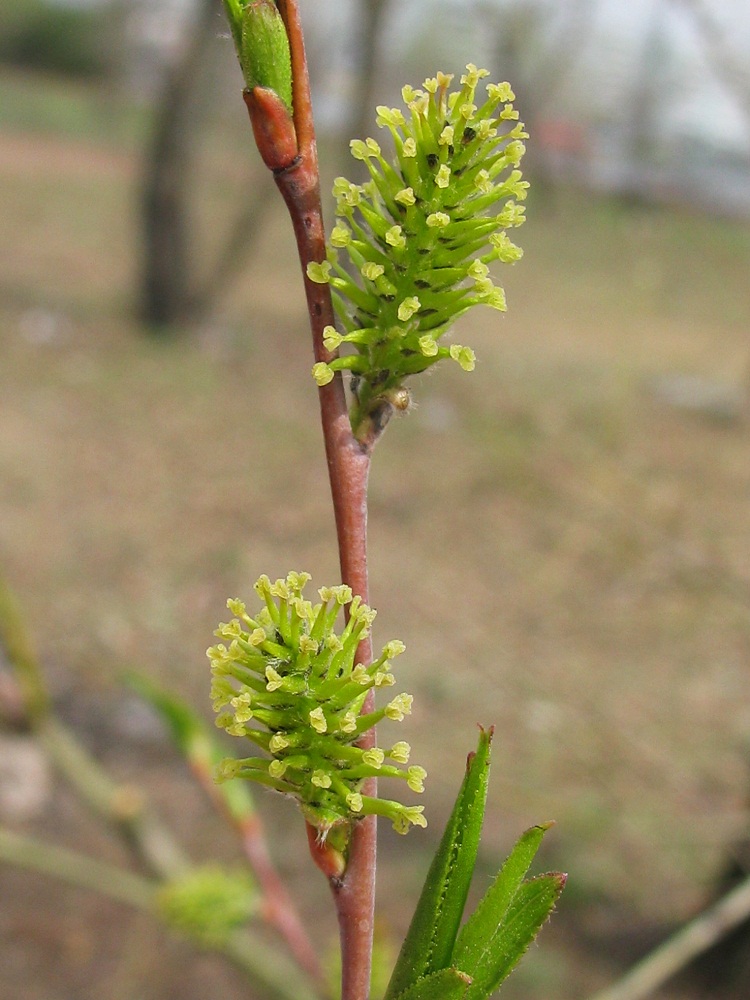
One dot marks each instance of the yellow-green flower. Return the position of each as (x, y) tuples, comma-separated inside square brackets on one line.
[(285, 680), (418, 231)]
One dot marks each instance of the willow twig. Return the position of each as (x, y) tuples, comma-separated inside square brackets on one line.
[(121, 805), (348, 468)]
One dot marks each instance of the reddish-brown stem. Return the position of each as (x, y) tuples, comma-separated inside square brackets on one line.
[(348, 469), (301, 98)]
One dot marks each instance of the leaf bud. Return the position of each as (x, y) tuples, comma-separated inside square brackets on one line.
[(264, 50)]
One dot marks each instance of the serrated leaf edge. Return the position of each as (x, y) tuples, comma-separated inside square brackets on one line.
[(533, 834), (409, 992), (559, 883)]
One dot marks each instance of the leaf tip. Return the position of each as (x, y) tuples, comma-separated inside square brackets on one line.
[(485, 744)]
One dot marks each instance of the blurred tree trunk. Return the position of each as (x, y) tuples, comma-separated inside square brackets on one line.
[(165, 283), (372, 16), (645, 101), (170, 292)]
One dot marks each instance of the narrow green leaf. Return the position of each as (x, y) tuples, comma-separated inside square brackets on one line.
[(523, 920), (482, 925), (195, 740), (429, 942), (448, 984)]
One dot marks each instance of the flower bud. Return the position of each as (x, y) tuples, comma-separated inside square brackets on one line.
[(264, 49)]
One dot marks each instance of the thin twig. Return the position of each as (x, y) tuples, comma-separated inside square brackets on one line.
[(122, 805), (245, 950), (684, 946), (267, 967), (22, 658), (77, 869), (278, 909), (348, 468)]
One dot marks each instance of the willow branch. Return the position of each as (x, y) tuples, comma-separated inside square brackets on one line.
[(121, 805), (348, 469)]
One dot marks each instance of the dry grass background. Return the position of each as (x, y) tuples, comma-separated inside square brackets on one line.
[(565, 555)]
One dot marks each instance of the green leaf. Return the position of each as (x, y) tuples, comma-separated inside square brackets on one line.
[(448, 984), (195, 740), (519, 925), (480, 928), (429, 942)]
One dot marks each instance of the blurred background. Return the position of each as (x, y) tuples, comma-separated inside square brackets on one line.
[(561, 539)]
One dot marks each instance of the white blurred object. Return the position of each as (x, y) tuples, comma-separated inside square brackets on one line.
[(43, 326), (25, 783)]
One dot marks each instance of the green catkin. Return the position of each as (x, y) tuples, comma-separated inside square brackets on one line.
[(288, 683), (420, 235)]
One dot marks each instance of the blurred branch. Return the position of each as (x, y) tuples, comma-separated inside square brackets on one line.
[(264, 965), (77, 869), (121, 805), (124, 807), (278, 908), (728, 69), (19, 651), (267, 967), (232, 256), (684, 946), (235, 804)]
